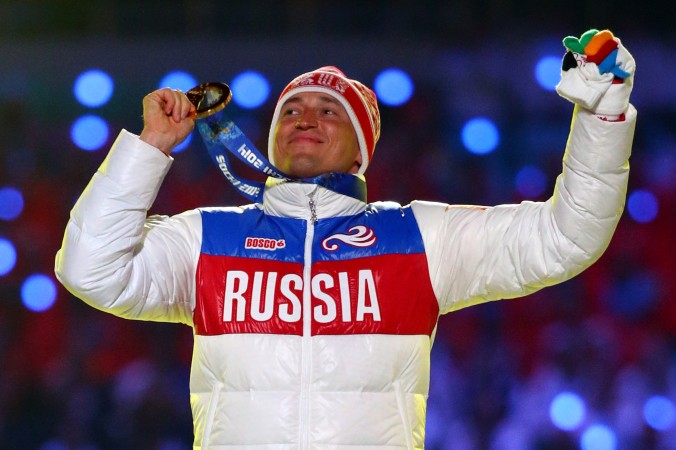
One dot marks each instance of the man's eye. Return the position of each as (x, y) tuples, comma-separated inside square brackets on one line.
[(329, 112), (290, 112)]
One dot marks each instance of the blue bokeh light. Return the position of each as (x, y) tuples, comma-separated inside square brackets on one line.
[(178, 79), (38, 292), (530, 181), (480, 135), (393, 87), (89, 132), (598, 437), (7, 256), (548, 72), (642, 206), (250, 89), (93, 88), (11, 203), (659, 413), (567, 411)]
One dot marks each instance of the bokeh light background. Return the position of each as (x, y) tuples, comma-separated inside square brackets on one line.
[(470, 115)]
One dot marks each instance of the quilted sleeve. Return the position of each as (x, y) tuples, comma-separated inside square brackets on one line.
[(478, 254), (115, 258)]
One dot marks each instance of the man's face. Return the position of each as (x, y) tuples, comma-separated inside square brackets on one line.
[(314, 135)]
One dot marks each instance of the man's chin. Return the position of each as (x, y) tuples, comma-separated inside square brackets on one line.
[(302, 169)]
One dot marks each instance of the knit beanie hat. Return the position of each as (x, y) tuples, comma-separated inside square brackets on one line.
[(358, 100)]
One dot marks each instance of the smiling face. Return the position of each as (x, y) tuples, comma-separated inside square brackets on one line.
[(314, 135)]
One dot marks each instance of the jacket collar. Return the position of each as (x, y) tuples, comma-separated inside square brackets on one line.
[(285, 198)]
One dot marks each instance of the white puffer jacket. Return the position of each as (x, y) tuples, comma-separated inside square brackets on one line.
[(300, 390)]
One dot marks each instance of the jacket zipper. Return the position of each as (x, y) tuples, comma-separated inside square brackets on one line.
[(306, 353), (313, 211)]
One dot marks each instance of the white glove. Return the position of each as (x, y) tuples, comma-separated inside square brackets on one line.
[(603, 89)]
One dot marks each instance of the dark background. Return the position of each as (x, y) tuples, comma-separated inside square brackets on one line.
[(75, 378)]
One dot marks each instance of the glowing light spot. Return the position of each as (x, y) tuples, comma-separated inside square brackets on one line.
[(548, 72), (250, 89), (567, 411), (480, 136), (598, 437), (11, 203), (38, 292), (178, 79), (659, 413), (530, 181), (7, 256), (89, 132), (393, 87), (93, 88), (642, 206)]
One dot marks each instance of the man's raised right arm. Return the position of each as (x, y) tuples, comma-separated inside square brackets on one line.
[(115, 258)]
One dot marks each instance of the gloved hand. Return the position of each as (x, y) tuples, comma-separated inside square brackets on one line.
[(597, 73)]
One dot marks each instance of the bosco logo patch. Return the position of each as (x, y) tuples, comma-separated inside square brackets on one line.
[(264, 243)]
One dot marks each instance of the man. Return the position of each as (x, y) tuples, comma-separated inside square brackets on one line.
[(314, 312)]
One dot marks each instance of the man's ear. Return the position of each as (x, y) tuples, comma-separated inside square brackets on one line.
[(357, 163)]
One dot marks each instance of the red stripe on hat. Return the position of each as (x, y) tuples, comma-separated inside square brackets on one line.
[(360, 109)]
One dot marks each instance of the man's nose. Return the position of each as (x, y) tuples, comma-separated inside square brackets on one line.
[(307, 119)]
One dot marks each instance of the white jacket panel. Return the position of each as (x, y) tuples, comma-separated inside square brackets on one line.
[(366, 390)]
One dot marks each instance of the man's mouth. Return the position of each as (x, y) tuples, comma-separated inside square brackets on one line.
[(301, 138)]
